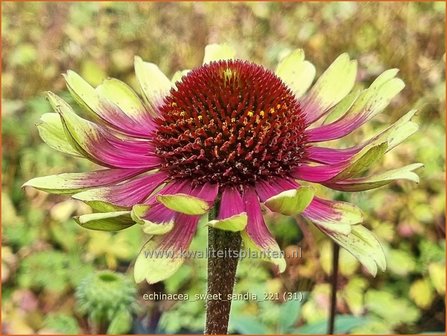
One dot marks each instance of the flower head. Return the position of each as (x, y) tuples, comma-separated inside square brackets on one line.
[(231, 133)]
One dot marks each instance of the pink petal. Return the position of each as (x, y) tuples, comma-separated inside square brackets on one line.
[(318, 173), (181, 235), (231, 203), (336, 129), (273, 187), (331, 156), (256, 227)]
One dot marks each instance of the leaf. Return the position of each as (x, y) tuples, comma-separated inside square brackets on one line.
[(234, 223), (343, 324), (247, 325), (289, 315), (437, 276), (421, 292)]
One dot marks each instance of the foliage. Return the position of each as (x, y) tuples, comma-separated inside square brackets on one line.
[(45, 254)]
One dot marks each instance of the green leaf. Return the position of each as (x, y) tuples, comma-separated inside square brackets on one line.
[(234, 223), (343, 324), (291, 202), (247, 325), (437, 276), (422, 293), (187, 204), (289, 315), (297, 73), (107, 221), (52, 133), (363, 245), (121, 323), (217, 52)]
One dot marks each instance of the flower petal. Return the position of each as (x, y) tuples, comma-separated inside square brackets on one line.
[(70, 183), (363, 245), (190, 201), (106, 221), (291, 202), (96, 144), (126, 194), (178, 75), (232, 215), (52, 133), (376, 181), (333, 85), (154, 84), (162, 256), (333, 216), (297, 73), (369, 103), (217, 52), (140, 211), (257, 236), (273, 187)]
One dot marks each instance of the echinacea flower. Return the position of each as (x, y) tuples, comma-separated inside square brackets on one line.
[(229, 133)]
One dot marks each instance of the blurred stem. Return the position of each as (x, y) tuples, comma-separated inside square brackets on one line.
[(223, 257), (333, 305)]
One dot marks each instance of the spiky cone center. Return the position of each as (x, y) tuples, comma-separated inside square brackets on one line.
[(231, 123)]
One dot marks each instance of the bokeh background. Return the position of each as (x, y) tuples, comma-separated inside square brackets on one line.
[(46, 257)]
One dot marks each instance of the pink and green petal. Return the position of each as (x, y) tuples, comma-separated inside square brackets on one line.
[(190, 201), (140, 213), (96, 144), (273, 187), (369, 103), (217, 52), (376, 181), (155, 86), (296, 72), (52, 133), (291, 202), (256, 235), (333, 216), (232, 215), (71, 183), (363, 245), (332, 86), (106, 221), (126, 194), (162, 256)]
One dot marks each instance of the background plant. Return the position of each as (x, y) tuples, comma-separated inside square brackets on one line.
[(42, 40)]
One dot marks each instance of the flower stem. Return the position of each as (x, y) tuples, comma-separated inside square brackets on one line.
[(223, 248), (333, 305)]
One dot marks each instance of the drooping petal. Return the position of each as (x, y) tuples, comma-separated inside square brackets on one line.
[(163, 255), (94, 143), (376, 181), (155, 86), (291, 202), (70, 183), (232, 215), (273, 187), (217, 52), (190, 201), (317, 174), (256, 235), (52, 133), (369, 103), (334, 216), (161, 218), (363, 245), (178, 75), (332, 86), (106, 221), (296, 72), (126, 194)]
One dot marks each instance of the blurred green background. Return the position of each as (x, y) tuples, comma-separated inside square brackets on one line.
[(47, 260)]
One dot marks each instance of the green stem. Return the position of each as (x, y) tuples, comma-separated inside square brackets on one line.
[(223, 249)]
